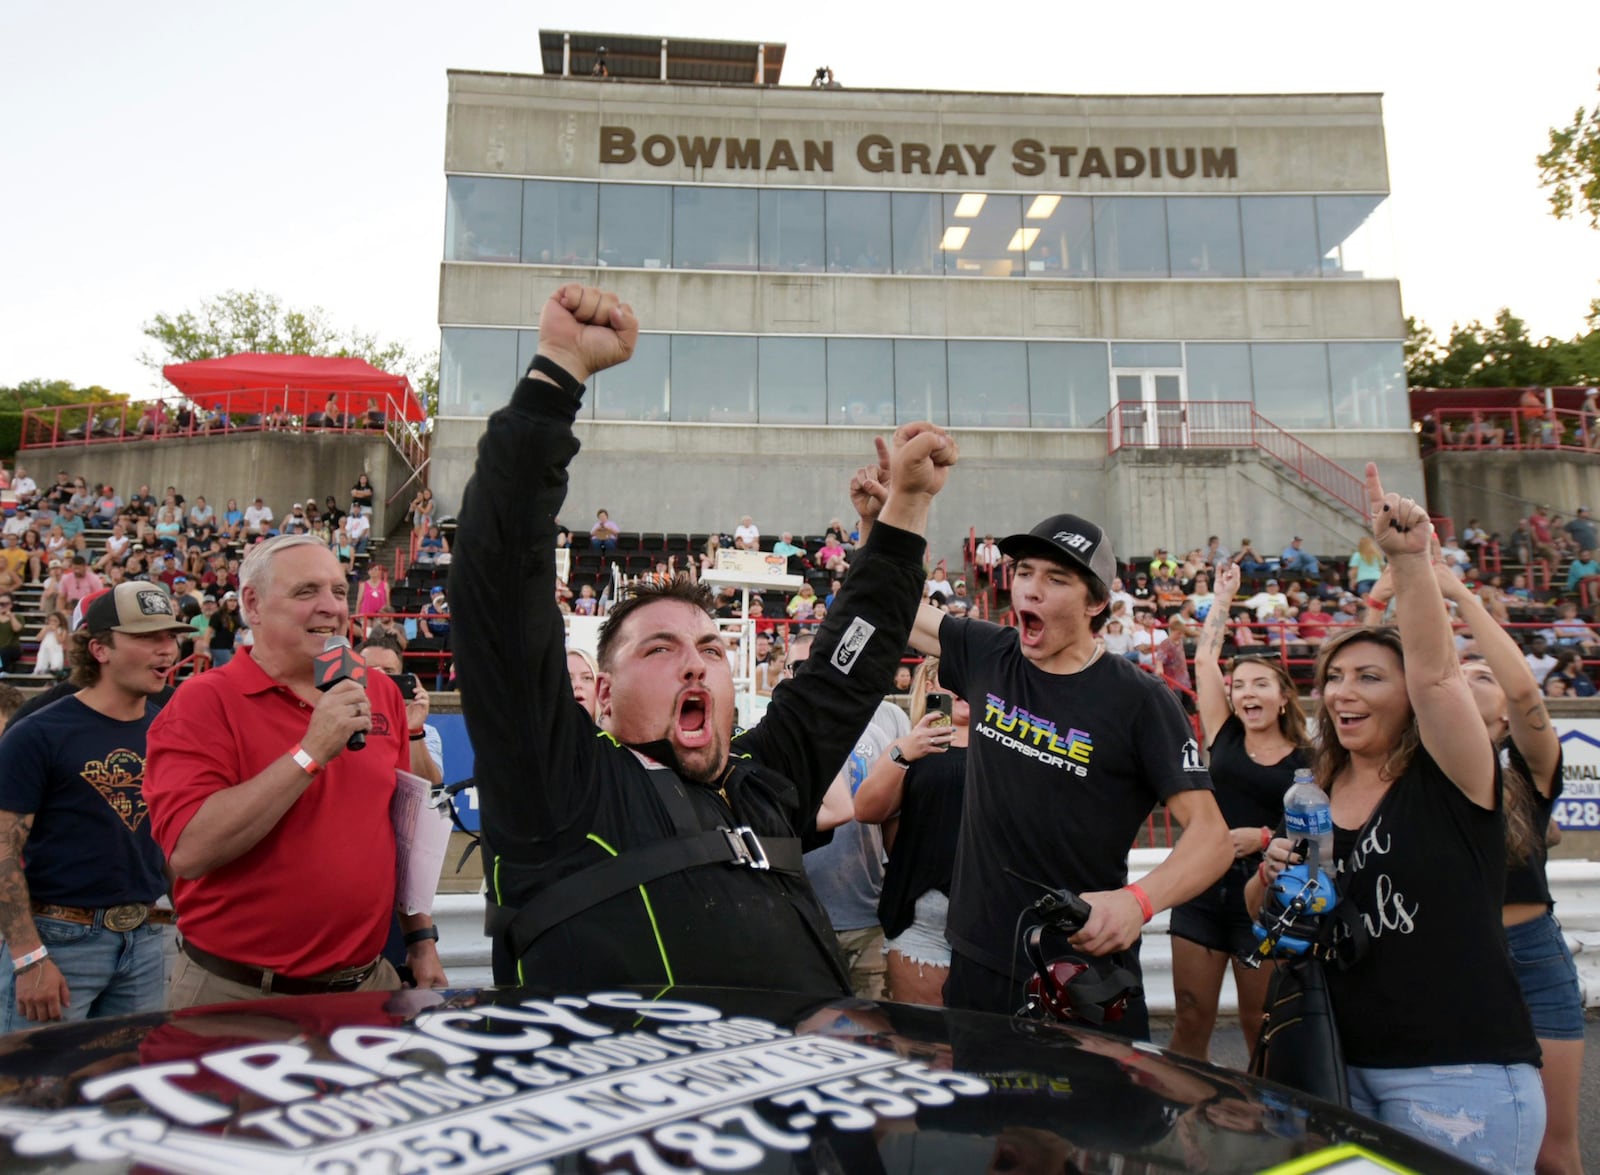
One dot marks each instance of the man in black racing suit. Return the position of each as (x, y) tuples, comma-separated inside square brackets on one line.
[(633, 853)]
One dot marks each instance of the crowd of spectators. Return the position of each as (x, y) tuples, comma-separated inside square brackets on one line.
[(69, 538)]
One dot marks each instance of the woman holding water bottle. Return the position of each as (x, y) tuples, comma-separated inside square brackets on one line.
[(1256, 735), (1436, 1038), (1509, 700)]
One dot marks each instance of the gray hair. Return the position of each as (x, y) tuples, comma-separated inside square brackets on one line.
[(256, 569)]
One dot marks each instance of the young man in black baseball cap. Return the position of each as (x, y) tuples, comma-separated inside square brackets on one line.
[(1070, 751)]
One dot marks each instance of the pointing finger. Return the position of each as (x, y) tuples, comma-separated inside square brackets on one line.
[(883, 452), (1374, 487)]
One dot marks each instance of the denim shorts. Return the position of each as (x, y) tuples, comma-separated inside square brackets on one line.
[(923, 941), (1491, 1116), (1548, 977)]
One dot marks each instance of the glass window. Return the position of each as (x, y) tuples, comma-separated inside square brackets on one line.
[(1369, 385), (1280, 236), (1130, 236), (988, 385), (637, 389), (1291, 383), (1219, 371), (919, 381), (793, 380), (477, 370), (860, 379), (791, 231), (1065, 244), (1354, 235), (1203, 236), (983, 235), (858, 232), (482, 219), (714, 228), (1069, 384), (713, 379), (1146, 354), (917, 229), (558, 223), (636, 225)]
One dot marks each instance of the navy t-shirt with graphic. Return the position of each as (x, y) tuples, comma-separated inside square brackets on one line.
[(81, 775), (1062, 769)]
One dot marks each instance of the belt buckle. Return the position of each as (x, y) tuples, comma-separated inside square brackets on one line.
[(747, 847), (126, 917)]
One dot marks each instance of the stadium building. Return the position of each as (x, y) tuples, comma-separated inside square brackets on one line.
[(1175, 314)]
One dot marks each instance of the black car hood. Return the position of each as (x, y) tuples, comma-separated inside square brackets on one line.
[(708, 1078)]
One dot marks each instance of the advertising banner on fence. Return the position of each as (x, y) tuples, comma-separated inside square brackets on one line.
[(1578, 809)]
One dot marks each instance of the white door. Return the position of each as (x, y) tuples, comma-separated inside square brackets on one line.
[(1151, 404)]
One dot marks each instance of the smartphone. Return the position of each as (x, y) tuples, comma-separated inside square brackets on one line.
[(407, 683), (939, 705)]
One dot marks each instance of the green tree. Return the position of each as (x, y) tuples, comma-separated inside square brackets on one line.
[(254, 320), (1570, 169), (1502, 355), (46, 393)]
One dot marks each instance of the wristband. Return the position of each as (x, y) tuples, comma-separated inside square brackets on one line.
[(1380, 605), (18, 966), (558, 375), (1145, 907), (1266, 837), (422, 934), (418, 735), (305, 762)]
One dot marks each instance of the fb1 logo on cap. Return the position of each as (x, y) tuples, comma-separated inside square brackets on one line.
[(1078, 542)]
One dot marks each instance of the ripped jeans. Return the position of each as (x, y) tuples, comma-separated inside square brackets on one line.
[(1489, 1115)]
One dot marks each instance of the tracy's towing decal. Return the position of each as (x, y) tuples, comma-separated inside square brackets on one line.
[(697, 1088)]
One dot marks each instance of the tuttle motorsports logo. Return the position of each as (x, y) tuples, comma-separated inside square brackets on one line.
[(510, 1087)]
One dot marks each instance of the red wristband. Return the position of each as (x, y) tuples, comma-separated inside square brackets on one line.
[(1380, 605), (1266, 837), (1145, 906)]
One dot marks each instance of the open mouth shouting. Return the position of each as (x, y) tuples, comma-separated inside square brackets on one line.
[(1031, 626), (692, 725)]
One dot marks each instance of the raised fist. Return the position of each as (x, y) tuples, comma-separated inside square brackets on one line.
[(586, 330)]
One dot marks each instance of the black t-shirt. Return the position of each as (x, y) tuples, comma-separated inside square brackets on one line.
[(924, 853), (1142, 591), (224, 625), (1250, 794), (82, 776), (1435, 986), (1061, 771), (1526, 881)]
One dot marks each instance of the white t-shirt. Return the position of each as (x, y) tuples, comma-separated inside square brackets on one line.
[(357, 527), (987, 555), (747, 534), (1541, 666), (942, 586), (25, 486), (1262, 603), (257, 517)]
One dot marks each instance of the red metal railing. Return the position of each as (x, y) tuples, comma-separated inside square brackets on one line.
[(1231, 424), (1470, 430)]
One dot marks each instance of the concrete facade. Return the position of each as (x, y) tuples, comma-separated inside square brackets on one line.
[(1500, 488), (794, 477)]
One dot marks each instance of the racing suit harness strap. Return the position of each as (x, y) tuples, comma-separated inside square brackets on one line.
[(632, 868)]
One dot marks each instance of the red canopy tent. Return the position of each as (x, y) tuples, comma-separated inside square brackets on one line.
[(299, 384)]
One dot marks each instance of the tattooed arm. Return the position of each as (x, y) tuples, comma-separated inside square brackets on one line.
[(41, 991), (1529, 722), (1209, 686)]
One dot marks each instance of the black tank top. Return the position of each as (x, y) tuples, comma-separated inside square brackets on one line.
[(1250, 794), (1526, 881), (1435, 986)]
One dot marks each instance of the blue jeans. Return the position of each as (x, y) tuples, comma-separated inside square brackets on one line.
[(107, 973), (1305, 565), (1488, 1115), (220, 657)]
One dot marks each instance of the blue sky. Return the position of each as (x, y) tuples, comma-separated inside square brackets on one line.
[(154, 154)]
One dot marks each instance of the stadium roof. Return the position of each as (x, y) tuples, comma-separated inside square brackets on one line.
[(689, 59)]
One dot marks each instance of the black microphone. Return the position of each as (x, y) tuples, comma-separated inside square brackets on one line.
[(339, 662)]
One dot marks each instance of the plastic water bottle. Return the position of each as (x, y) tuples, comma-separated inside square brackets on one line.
[(1307, 816)]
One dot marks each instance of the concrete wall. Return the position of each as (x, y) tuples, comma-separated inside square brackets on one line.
[(283, 468), (482, 294), (1500, 488), (507, 124), (681, 478)]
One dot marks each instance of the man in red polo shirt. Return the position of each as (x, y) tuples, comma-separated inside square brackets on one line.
[(279, 837)]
